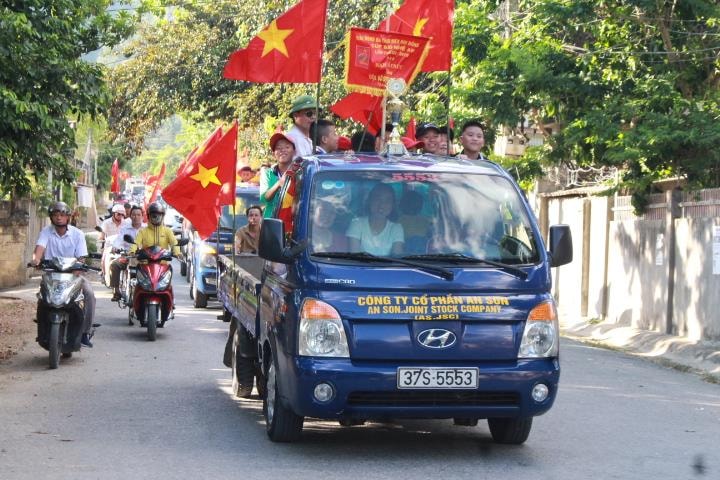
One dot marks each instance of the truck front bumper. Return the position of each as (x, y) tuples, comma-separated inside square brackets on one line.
[(368, 390)]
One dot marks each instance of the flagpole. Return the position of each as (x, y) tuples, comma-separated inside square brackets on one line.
[(447, 107), (317, 98)]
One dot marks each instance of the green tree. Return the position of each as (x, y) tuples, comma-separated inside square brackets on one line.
[(44, 83), (632, 84)]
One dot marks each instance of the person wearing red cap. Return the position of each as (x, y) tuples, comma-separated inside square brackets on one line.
[(273, 178)]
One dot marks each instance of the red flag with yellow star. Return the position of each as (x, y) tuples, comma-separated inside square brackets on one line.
[(426, 18), (206, 182), (289, 50)]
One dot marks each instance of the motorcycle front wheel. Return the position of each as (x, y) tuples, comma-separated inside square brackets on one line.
[(57, 333), (151, 316)]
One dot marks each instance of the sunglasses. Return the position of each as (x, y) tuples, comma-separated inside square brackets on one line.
[(310, 113)]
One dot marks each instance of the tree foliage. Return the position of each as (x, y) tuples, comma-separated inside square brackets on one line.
[(44, 83), (631, 84)]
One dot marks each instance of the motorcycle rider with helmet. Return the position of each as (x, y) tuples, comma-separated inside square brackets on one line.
[(60, 239), (156, 233), (132, 229)]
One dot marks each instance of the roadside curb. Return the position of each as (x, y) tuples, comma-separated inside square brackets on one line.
[(699, 357)]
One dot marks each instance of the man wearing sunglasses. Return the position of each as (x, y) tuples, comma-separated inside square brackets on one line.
[(302, 112)]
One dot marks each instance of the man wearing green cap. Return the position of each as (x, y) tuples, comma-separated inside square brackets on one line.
[(302, 111)]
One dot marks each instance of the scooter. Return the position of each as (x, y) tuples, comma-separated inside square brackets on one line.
[(61, 307), (151, 289)]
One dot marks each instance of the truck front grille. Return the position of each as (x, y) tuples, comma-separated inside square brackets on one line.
[(434, 398)]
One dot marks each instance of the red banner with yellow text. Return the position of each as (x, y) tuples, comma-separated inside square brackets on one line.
[(373, 57)]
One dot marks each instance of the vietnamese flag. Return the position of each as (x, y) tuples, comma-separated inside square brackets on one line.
[(426, 18), (204, 184), (289, 50), (114, 183), (361, 107), (197, 151)]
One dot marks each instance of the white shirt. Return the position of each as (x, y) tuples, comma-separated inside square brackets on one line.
[(129, 230), (380, 244), (110, 228), (72, 244), (303, 144)]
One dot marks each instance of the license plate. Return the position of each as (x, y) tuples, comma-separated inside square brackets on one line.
[(438, 378)]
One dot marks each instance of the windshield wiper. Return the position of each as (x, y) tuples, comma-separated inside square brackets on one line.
[(439, 271), (462, 258)]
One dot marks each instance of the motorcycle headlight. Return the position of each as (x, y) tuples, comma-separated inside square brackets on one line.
[(321, 331), (143, 280), (164, 280), (62, 288), (541, 337)]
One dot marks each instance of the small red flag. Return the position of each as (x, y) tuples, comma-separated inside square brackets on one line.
[(289, 50), (426, 18), (410, 131), (203, 185), (114, 181)]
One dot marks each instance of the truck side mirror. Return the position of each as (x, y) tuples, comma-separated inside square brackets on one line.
[(561, 248), (271, 245)]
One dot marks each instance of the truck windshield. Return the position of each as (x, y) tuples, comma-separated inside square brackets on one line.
[(436, 216)]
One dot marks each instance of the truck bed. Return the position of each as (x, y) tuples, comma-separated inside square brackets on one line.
[(238, 284)]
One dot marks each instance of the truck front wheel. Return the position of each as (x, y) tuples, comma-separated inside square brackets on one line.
[(510, 431), (281, 423)]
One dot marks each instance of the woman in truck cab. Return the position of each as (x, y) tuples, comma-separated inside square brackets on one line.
[(324, 236), (377, 233)]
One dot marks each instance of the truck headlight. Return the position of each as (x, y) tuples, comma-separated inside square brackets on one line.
[(321, 331), (541, 337)]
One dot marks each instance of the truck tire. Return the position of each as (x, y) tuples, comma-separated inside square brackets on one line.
[(243, 374), (510, 431), (200, 300), (281, 423)]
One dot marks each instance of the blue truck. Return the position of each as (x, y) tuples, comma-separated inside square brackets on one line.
[(199, 260), (397, 287)]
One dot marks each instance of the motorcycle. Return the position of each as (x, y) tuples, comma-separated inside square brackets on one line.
[(150, 295), (61, 307)]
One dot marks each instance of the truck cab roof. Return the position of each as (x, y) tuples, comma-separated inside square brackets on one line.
[(434, 163)]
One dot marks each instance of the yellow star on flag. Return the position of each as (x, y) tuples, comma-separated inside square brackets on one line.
[(206, 176), (417, 29), (274, 39)]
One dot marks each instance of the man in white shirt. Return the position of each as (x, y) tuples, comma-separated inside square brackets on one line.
[(302, 112), (110, 227), (60, 239), (136, 223)]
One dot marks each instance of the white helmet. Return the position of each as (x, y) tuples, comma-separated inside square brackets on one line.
[(118, 208)]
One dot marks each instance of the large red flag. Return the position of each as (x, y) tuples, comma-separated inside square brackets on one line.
[(426, 18), (114, 183), (361, 107), (289, 50), (200, 189), (188, 163)]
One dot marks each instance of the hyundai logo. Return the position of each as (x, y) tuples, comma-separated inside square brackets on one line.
[(436, 338)]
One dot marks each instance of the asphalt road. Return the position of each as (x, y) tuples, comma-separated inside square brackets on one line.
[(130, 408)]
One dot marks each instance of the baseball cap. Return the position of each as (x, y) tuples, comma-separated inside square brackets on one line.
[(410, 143), (303, 102), (424, 127), (277, 137)]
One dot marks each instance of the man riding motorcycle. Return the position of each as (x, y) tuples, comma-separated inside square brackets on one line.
[(136, 223), (60, 239)]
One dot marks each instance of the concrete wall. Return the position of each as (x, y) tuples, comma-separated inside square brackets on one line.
[(568, 278), (637, 285), (696, 312), (20, 226)]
